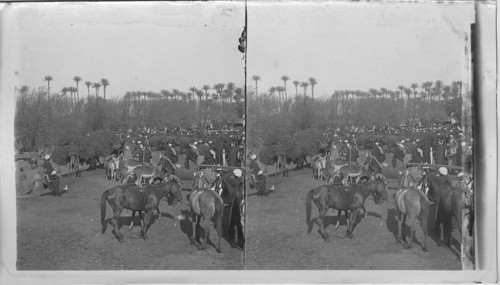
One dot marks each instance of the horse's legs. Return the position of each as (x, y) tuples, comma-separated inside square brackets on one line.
[(158, 210), (194, 218), (447, 228), (412, 223), (205, 224), (346, 214), (351, 222), (322, 230), (132, 221), (425, 214), (338, 219), (114, 222), (218, 228), (399, 217), (146, 224), (364, 211)]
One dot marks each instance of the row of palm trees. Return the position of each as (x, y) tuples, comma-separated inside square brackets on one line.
[(224, 93), (74, 91), (429, 90), (282, 89)]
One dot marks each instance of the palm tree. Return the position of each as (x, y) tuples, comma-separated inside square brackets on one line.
[(193, 90), (64, 91), (77, 79), (304, 85), (401, 90), (272, 90), (383, 92), (230, 90), (285, 78), (238, 94), (48, 78), (447, 92), (96, 85), (256, 78), (165, 94), (373, 92), (104, 83), (407, 93), (88, 84), (176, 93), (438, 88), (199, 94), (296, 83), (313, 82), (206, 88), (427, 85)]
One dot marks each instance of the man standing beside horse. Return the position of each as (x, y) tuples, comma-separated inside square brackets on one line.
[(51, 177), (377, 157), (172, 158)]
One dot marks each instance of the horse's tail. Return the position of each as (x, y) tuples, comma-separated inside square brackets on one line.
[(219, 213), (104, 196), (308, 210)]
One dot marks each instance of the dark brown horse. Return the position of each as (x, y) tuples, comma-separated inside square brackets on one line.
[(449, 205), (136, 199), (177, 196), (205, 204), (342, 198)]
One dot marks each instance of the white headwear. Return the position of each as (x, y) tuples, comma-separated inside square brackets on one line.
[(253, 156), (443, 170), (237, 172), (47, 156)]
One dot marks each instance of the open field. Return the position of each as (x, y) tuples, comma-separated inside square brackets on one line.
[(277, 235), (64, 233)]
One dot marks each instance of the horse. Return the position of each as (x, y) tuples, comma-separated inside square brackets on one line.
[(179, 199), (233, 194), (197, 159), (136, 199), (333, 166), (167, 166), (127, 167), (449, 205), (353, 171), (411, 205), (340, 198), (205, 204), (280, 165), (148, 172), (113, 166), (318, 164)]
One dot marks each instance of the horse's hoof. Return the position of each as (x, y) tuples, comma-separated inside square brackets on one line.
[(218, 250), (424, 249), (439, 244), (120, 240), (327, 239)]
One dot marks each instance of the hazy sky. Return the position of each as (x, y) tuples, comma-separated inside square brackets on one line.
[(154, 46), (136, 46), (357, 46)]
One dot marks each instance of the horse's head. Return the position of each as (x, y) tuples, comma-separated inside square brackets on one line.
[(175, 190), (379, 186)]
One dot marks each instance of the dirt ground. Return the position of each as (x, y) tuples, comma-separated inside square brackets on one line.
[(277, 236), (64, 233)]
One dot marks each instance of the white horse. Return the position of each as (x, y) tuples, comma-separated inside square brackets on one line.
[(113, 165), (318, 164)]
